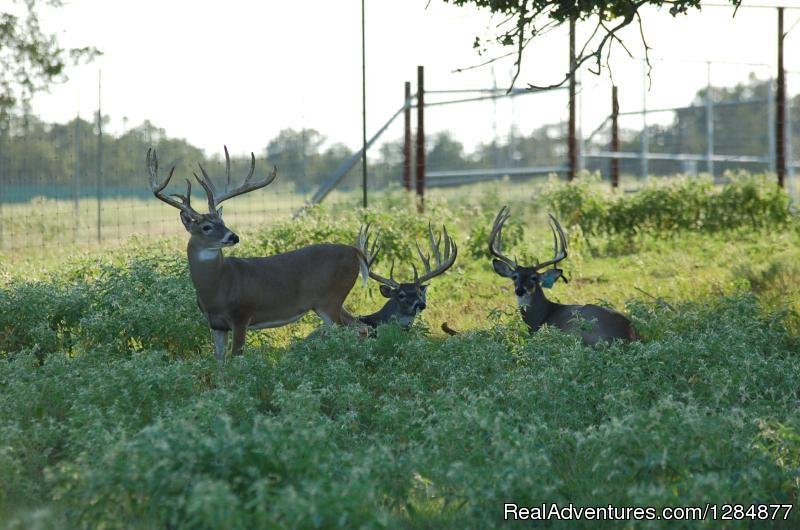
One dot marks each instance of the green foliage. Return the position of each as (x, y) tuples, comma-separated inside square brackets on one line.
[(30, 58), (114, 413), (668, 208)]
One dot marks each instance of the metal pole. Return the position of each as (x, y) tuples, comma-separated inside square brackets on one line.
[(407, 136), (790, 156), (420, 151), (571, 132), (99, 184), (76, 183), (614, 137), (771, 150), (780, 109), (645, 138), (363, 109), (709, 124), (4, 179)]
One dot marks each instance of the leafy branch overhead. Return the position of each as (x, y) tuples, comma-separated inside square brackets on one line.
[(30, 57), (524, 20)]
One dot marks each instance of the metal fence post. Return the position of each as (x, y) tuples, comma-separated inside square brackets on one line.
[(76, 182), (645, 139), (99, 183), (614, 137), (420, 151), (780, 104), (709, 124), (571, 143), (771, 125), (407, 136)]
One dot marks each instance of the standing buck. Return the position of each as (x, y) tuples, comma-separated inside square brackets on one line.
[(237, 294), (407, 299), (603, 324)]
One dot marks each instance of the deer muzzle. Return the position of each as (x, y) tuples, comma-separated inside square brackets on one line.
[(230, 239)]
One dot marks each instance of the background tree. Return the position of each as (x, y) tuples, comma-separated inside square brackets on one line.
[(30, 58), (524, 20)]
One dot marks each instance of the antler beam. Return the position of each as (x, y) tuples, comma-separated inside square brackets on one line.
[(558, 238), (158, 187), (496, 237), (443, 262), (215, 198)]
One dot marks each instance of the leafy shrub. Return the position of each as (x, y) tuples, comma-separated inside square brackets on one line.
[(665, 208)]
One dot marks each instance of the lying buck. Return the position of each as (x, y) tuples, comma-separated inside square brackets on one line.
[(604, 324), (237, 294), (407, 299)]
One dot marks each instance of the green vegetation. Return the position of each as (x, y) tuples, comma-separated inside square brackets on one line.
[(114, 414)]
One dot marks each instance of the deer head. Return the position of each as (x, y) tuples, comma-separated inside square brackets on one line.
[(527, 280), (407, 299), (207, 230)]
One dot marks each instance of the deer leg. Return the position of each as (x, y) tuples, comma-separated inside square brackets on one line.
[(327, 317), (220, 343), (239, 331)]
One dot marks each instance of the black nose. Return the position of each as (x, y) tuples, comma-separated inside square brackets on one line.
[(520, 291), (235, 238), (422, 306)]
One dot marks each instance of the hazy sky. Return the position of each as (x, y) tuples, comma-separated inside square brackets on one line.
[(238, 72)]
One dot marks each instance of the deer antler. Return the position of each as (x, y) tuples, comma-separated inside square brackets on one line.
[(371, 253), (158, 187), (215, 198), (558, 254), (442, 262), (496, 237)]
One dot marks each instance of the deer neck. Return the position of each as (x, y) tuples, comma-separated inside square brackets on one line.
[(391, 309), (536, 309), (205, 268)]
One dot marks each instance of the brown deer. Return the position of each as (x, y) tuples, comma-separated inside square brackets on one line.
[(601, 324), (407, 299), (237, 294)]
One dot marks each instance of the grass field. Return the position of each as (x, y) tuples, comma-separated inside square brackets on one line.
[(114, 414)]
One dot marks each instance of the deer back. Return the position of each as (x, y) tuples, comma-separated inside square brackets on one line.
[(592, 322)]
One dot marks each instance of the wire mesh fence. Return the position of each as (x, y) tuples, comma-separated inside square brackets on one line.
[(67, 186)]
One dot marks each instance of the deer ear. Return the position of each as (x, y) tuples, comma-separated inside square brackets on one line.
[(548, 278), (386, 291), (502, 268), (187, 220)]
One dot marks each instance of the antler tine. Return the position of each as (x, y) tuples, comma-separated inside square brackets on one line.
[(157, 187), (187, 199), (246, 185), (558, 237), (371, 254), (496, 236), (442, 262), (208, 186), (227, 168)]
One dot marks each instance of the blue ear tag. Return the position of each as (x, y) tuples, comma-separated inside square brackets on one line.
[(549, 278)]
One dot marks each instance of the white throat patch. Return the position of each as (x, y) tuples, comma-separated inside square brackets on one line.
[(208, 254)]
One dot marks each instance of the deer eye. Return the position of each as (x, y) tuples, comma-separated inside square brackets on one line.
[(207, 228), (401, 296)]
